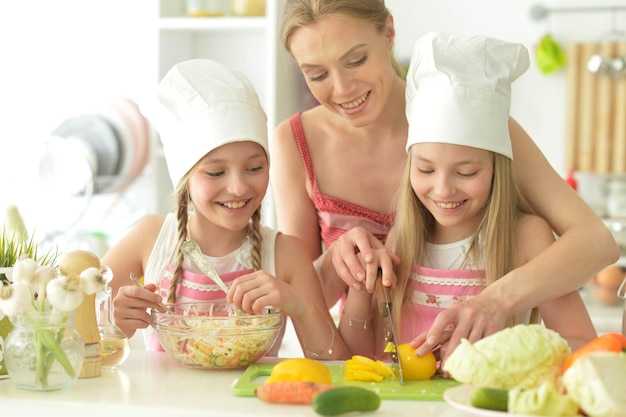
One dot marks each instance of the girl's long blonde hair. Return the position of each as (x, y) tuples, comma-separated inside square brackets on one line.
[(181, 195), (299, 13), (497, 230)]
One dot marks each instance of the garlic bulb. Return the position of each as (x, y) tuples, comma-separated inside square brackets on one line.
[(24, 270), (65, 293), (92, 280), (15, 299)]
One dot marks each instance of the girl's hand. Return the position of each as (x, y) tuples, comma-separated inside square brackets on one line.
[(252, 292), (130, 307), (357, 256)]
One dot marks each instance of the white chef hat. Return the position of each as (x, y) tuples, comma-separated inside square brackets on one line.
[(459, 90), (200, 106)]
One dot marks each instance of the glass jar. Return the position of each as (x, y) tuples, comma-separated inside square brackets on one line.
[(114, 345), (206, 8), (621, 293), (616, 197), (247, 7), (44, 351)]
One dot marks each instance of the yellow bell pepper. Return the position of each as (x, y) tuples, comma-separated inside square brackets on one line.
[(300, 369)]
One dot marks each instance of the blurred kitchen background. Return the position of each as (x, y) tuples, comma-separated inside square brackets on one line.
[(82, 164)]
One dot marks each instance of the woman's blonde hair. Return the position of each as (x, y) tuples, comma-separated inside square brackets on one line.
[(299, 13), (181, 196), (496, 233)]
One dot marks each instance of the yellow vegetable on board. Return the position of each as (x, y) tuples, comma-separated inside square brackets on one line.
[(416, 368), (300, 369), (362, 368)]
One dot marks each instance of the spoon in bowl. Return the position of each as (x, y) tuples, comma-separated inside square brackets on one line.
[(181, 321), (138, 283), (191, 249)]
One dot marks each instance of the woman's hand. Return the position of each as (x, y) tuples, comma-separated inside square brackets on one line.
[(473, 320), (357, 257), (257, 290), (131, 305)]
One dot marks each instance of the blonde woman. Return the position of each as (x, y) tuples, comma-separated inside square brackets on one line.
[(337, 167)]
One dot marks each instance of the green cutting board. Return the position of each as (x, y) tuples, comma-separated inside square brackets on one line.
[(430, 390)]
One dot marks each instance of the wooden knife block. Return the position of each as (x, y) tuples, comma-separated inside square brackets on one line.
[(87, 325)]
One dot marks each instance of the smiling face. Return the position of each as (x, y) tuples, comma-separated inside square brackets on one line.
[(228, 185), (454, 183), (347, 65)]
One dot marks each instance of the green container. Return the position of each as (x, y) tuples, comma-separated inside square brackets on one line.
[(5, 328)]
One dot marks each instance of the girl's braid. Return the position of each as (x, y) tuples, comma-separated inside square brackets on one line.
[(257, 239), (183, 218)]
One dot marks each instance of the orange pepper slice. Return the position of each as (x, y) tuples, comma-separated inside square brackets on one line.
[(608, 342)]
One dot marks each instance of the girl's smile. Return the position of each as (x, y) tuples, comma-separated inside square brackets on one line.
[(229, 185), (454, 183)]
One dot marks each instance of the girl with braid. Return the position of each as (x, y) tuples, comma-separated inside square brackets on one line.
[(214, 135)]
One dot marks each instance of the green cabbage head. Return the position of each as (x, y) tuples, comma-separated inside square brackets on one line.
[(522, 356)]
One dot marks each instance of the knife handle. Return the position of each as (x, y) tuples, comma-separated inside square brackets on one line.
[(382, 295)]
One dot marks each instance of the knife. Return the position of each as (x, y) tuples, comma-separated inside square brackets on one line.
[(384, 308)]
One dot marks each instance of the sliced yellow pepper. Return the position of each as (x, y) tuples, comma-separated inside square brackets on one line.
[(361, 375), (362, 368)]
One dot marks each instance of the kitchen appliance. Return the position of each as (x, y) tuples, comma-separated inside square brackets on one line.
[(101, 150), (85, 166)]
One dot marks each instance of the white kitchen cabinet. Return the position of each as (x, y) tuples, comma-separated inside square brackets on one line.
[(250, 44)]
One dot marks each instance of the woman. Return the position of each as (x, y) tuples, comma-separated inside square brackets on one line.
[(354, 155)]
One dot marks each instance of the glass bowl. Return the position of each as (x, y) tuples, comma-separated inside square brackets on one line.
[(216, 335)]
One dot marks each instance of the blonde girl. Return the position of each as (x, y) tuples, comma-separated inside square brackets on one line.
[(214, 134), (461, 223)]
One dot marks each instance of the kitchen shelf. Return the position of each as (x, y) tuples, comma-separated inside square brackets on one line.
[(249, 44), (209, 24)]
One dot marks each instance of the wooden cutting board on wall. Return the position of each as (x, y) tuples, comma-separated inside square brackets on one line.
[(596, 111)]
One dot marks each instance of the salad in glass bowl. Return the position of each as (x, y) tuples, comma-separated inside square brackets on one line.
[(215, 334)]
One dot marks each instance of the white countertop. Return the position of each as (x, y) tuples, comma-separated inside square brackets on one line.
[(153, 384)]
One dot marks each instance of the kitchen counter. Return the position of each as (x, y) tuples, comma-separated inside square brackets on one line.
[(153, 384)]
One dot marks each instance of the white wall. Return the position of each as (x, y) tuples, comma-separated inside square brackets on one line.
[(58, 57), (538, 100)]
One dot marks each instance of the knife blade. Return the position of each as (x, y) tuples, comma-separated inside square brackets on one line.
[(384, 308)]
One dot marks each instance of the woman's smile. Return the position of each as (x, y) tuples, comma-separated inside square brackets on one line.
[(355, 103)]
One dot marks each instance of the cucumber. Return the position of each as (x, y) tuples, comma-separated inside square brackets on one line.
[(345, 399), (490, 399)]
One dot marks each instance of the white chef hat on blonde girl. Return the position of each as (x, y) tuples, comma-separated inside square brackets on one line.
[(200, 106), (459, 90)]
